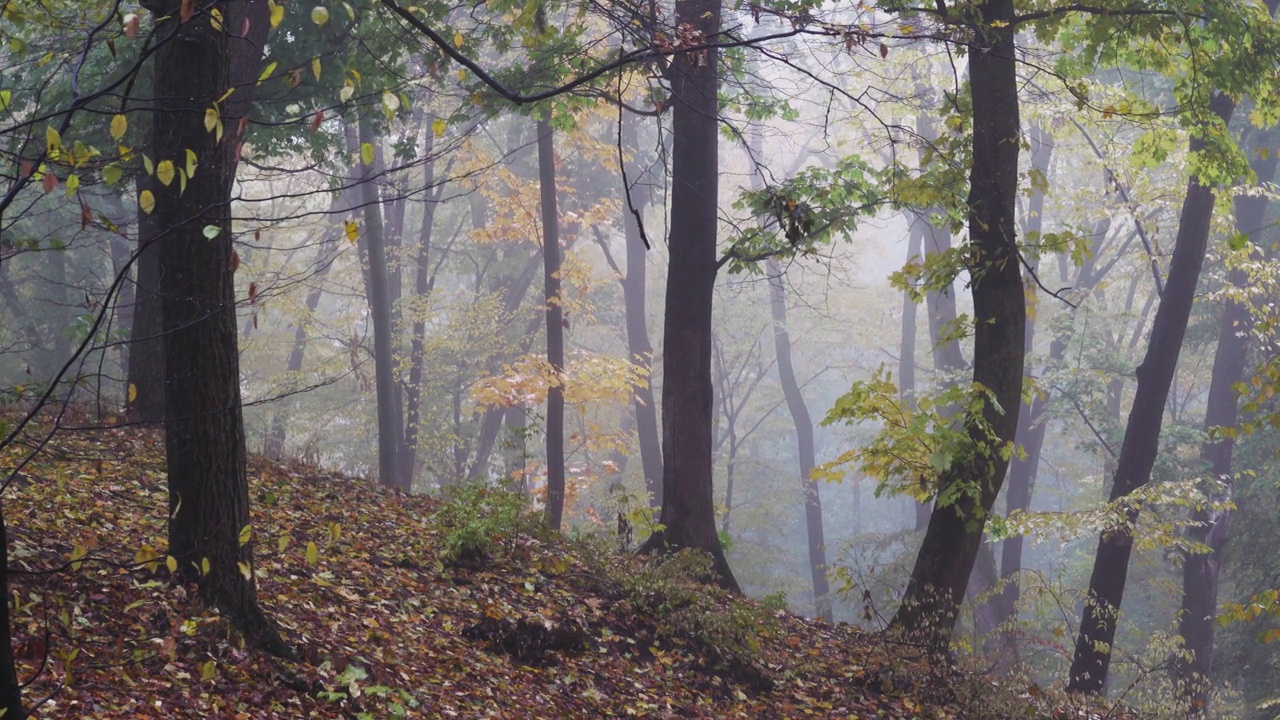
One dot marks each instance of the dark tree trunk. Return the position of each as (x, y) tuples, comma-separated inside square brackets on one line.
[(145, 385), (1097, 631), (555, 322), (804, 444), (1200, 571), (635, 289), (688, 505), (391, 470), (204, 430), (952, 540), (10, 690)]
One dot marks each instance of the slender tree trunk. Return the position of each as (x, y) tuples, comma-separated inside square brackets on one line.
[(952, 540), (1097, 631), (687, 518), (204, 430), (10, 690), (1200, 571), (907, 351), (555, 322), (635, 289), (804, 444), (391, 471), (424, 284)]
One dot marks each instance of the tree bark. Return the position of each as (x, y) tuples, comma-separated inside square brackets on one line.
[(204, 429), (1092, 657), (145, 385), (687, 519), (10, 690), (391, 470), (804, 444), (1200, 571), (555, 322), (635, 290), (967, 490), (424, 284)]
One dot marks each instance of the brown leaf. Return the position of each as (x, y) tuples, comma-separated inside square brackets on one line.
[(49, 182), (235, 261), (316, 120), (187, 10)]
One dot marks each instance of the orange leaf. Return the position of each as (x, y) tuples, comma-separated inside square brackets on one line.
[(316, 120), (50, 181), (235, 261), (187, 10)]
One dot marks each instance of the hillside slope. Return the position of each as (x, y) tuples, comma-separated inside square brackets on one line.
[(404, 607)]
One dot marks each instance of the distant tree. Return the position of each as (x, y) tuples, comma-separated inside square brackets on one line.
[(555, 321)]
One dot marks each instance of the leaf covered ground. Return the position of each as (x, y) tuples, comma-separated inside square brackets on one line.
[(406, 607)]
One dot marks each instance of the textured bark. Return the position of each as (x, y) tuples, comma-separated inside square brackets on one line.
[(952, 539), (688, 506), (10, 690), (555, 322), (1092, 657), (635, 290), (146, 340), (1200, 571), (804, 444), (204, 429), (391, 469)]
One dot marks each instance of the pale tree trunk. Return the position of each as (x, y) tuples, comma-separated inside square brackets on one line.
[(1200, 571), (803, 423), (907, 350), (555, 322), (391, 470)]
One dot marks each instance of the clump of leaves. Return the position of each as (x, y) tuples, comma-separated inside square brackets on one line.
[(477, 519)]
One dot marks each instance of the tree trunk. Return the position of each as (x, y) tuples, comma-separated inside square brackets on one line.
[(635, 289), (907, 351), (10, 690), (145, 385), (952, 540), (1200, 571), (1097, 631), (555, 322), (204, 429), (391, 471), (687, 518), (424, 284), (804, 444)]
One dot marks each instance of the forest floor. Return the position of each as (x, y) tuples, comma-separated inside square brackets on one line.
[(412, 607)]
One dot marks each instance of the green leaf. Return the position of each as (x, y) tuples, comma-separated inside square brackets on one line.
[(366, 153), (319, 15), (312, 555)]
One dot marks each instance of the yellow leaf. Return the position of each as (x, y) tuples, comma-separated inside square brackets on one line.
[(208, 670), (266, 71), (148, 165), (346, 92), (119, 124), (146, 201), (312, 555), (73, 182), (78, 553), (315, 67), (458, 39), (245, 569), (282, 542), (319, 15), (335, 532), (171, 562), (133, 392), (210, 119), (53, 142), (390, 101), (215, 19), (165, 172), (353, 231), (191, 162), (246, 534), (277, 13), (366, 153), (204, 566), (437, 126)]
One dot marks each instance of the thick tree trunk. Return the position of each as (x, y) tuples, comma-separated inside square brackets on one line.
[(1200, 571), (10, 690), (951, 542), (204, 430), (804, 444), (391, 470), (688, 506), (1097, 631), (145, 384), (555, 322), (635, 289)]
